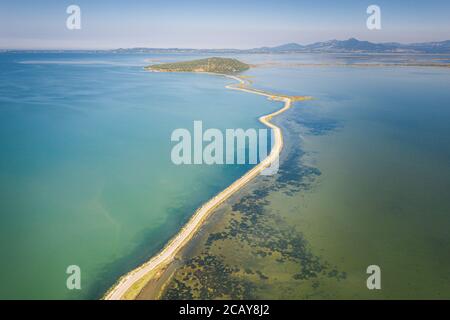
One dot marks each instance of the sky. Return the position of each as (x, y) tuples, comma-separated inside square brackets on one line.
[(41, 24)]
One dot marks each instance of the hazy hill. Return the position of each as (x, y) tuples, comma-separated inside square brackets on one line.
[(351, 45), (355, 45)]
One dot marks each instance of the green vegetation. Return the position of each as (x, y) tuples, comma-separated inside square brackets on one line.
[(215, 65)]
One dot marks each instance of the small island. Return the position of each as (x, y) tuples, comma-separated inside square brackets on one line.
[(214, 65)]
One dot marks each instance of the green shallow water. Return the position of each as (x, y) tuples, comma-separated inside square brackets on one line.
[(364, 180), (381, 197)]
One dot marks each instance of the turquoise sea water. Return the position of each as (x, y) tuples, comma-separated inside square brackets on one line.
[(85, 172)]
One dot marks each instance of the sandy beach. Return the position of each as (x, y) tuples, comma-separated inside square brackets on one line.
[(152, 268)]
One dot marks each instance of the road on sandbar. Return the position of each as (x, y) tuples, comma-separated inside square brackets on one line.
[(167, 254)]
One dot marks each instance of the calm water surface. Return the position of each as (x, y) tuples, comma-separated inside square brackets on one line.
[(85, 172), (86, 176)]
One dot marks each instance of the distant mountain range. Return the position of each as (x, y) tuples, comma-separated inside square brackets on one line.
[(355, 45), (351, 45)]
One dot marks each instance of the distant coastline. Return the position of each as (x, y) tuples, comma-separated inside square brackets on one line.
[(129, 285), (351, 45)]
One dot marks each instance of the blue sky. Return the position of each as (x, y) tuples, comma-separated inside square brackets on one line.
[(41, 24)]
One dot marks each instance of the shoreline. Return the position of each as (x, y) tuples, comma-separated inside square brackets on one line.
[(153, 267)]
